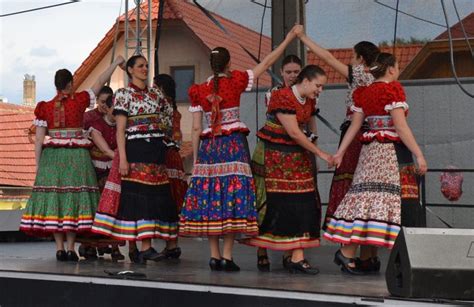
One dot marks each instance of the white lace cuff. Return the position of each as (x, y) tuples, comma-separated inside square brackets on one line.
[(395, 105), (356, 109), (251, 77), (40, 123), (195, 109), (92, 98)]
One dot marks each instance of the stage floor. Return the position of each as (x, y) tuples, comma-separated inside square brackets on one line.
[(191, 271)]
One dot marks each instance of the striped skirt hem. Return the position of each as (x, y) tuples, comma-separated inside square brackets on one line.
[(363, 232)]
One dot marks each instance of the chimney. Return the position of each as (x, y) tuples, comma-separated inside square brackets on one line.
[(29, 91)]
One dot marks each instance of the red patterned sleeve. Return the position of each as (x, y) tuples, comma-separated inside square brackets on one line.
[(193, 94), (281, 103), (86, 99), (243, 80), (40, 116), (358, 98), (396, 97)]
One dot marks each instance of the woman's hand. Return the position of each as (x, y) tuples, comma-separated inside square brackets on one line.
[(120, 61), (422, 166), (325, 156), (337, 160), (298, 30), (124, 167)]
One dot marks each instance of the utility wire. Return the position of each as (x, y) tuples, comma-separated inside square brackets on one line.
[(39, 8)]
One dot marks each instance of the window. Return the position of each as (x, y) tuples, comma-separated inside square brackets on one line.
[(184, 78)]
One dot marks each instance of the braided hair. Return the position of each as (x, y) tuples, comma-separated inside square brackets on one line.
[(381, 63), (168, 86), (218, 59)]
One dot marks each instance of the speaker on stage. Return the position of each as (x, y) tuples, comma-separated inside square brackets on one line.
[(432, 263)]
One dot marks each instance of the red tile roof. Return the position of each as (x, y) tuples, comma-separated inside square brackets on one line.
[(17, 153), (456, 30), (208, 33), (404, 54)]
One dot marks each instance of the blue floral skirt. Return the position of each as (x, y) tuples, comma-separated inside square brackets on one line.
[(221, 195)]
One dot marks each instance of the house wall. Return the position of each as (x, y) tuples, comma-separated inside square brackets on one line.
[(178, 47), (442, 66)]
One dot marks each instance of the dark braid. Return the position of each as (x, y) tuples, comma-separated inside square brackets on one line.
[(168, 86), (218, 59)]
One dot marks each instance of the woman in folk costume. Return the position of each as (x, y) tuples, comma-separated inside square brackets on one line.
[(220, 200), (293, 215), (356, 74), (173, 161), (103, 134), (385, 177), (290, 68), (65, 193), (146, 209)]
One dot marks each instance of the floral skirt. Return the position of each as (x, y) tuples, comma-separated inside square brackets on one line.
[(221, 195), (65, 193), (342, 179), (146, 209), (176, 176), (290, 210), (384, 189)]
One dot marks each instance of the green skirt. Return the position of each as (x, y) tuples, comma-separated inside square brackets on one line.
[(65, 194)]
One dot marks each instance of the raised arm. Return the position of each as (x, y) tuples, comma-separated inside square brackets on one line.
[(105, 76), (275, 54), (407, 137), (290, 124), (325, 55)]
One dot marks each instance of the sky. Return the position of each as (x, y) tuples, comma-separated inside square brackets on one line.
[(41, 42)]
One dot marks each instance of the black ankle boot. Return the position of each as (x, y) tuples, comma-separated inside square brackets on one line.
[(149, 254), (215, 264), (72, 256), (61, 256), (229, 265), (344, 262), (173, 253)]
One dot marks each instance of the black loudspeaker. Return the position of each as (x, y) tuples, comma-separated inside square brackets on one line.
[(432, 263)]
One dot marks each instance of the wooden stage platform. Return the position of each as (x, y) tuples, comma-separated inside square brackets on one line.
[(30, 276)]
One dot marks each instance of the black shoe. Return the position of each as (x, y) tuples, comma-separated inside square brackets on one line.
[(286, 259), (173, 253), (229, 265), (263, 264), (133, 255), (302, 267), (344, 262), (72, 256), (215, 264), (370, 265), (117, 255), (376, 264), (149, 254), (104, 250), (61, 256)]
